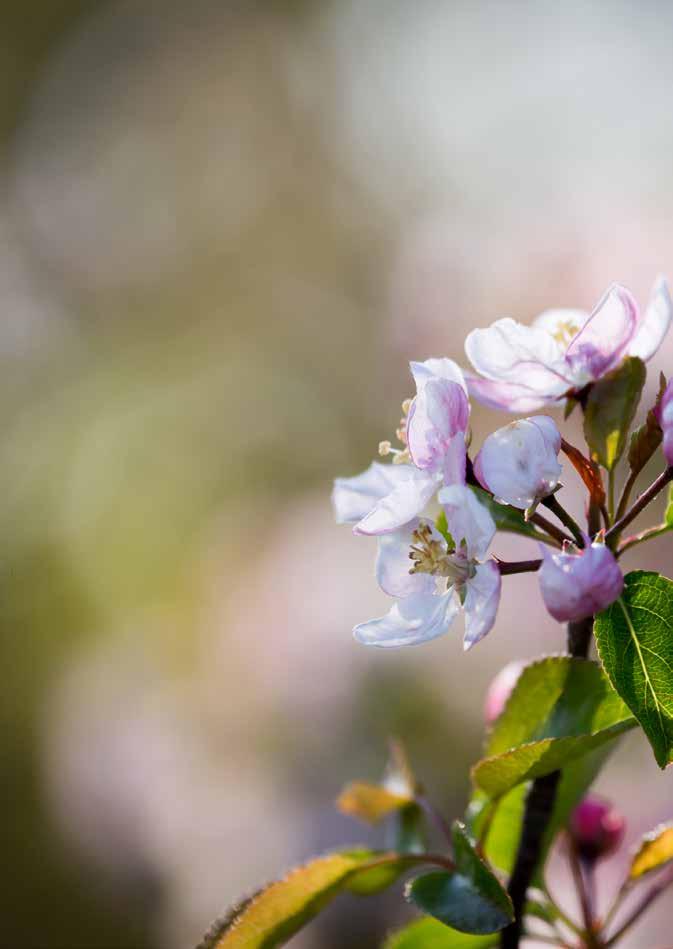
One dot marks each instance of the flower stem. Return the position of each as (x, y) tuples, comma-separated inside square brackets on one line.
[(656, 890), (626, 493), (648, 534), (538, 812), (540, 521), (566, 519), (645, 498)]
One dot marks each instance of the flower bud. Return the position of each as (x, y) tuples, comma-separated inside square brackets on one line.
[(519, 462), (500, 690), (596, 828), (664, 413), (578, 583)]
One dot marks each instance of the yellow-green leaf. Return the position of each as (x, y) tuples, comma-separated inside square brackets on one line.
[(277, 912), (655, 850), (428, 933), (610, 409), (370, 802)]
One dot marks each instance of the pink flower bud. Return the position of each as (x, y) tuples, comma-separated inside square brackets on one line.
[(500, 690), (519, 463), (596, 828), (577, 583)]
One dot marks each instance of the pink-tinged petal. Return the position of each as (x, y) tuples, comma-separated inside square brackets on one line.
[(411, 621), (508, 396), (467, 519), (665, 416), (576, 585), (393, 564), (654, 323), (606, 336), (455, 460), (353, 498), (508, 351), (405, 502), (438, 412), (518, 464), (481, 602), (437, 369)]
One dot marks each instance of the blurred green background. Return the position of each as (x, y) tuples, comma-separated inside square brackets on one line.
[(225, 227)]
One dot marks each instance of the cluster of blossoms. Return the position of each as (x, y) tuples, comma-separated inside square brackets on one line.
[(433, 529)]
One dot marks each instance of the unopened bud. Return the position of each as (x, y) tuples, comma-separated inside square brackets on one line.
[(596, 828), (500, 690)]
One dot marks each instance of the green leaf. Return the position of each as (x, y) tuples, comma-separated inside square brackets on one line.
[(429, 933), (497, 775), (278, 911), (610, 409), (656, 850), (635, 643), (507, 518), (560, 709), (498, 822), (471, 899)]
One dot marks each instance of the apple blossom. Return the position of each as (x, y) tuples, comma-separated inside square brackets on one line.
[(386, 497), (577, 583), (664, 413), (521, 368), (519, 464), (443, 576)]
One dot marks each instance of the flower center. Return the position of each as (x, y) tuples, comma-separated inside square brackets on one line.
[(565, 332), (430, 555)]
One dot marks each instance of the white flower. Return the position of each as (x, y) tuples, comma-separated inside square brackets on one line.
[(431, 579), (522, 368)]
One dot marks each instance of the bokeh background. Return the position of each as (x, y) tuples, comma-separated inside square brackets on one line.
[(225, 227)]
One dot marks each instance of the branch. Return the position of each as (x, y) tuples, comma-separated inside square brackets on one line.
[(538, 812), (517, 566)]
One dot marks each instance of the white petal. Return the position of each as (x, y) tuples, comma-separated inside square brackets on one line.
[(549, 430), (437, 368), (508, 351), (605, 337), (654, 323), (467, 519), (481, 602), (438, 412), (518, 463), (354, 497), (393, 564), (405, 502), (412, 620)]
